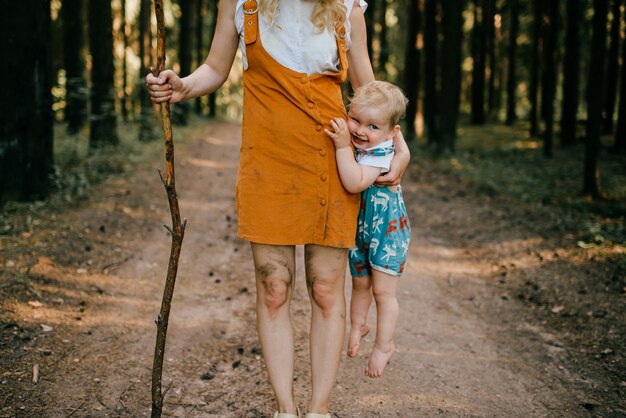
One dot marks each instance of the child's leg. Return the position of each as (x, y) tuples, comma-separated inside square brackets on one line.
[(384, 288), (359, 306)]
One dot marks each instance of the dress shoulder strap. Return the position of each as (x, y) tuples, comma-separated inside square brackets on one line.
[(251, 21)]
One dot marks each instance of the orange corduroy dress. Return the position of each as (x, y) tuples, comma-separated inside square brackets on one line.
[(288, 188)]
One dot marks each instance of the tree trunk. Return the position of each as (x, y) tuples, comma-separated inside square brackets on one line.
[(180, 110), (612, 69), (383, 57), (551, 32), (199, 21), (619, 146), (123, 28), (535, 69), (74, 63), (479, 52), (211, 30), (146, 112), (490, 66), (370, 26), (591, 174), (26, 133), (452, 25), (412, 62), (431, 103), (103, 123), (570, 74), (511, 83)]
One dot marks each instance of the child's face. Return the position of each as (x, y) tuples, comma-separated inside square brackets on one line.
[(369, 126)]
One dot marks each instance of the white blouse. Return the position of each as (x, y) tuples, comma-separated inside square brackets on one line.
[(293, 40)]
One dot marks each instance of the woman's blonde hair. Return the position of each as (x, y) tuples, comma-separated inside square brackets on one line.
[(383, 95), (326, 15)]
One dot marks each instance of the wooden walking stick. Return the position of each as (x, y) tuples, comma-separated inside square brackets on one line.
[(177, 230)]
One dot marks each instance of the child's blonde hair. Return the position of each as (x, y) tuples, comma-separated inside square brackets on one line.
[(326, 15), (381, 94)]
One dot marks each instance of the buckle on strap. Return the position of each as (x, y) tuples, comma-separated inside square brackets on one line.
[(250, 12)]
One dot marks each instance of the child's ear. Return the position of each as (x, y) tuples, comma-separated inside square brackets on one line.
[(395, 130)]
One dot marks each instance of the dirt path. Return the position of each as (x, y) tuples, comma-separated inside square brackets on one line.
[(464, 347)]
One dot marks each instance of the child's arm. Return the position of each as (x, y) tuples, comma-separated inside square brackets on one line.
[(354, 177)]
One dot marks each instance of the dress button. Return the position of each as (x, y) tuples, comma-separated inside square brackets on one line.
[(304, 80), (310, 105), (323, 152), (323, 177), (318, 127), (322, 202)]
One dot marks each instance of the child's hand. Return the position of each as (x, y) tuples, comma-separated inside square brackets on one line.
[(341, 135)]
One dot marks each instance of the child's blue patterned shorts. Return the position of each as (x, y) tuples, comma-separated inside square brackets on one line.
[(383, 233)]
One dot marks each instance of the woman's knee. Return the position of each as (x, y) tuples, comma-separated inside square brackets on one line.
[(274, 286), (327, 294)]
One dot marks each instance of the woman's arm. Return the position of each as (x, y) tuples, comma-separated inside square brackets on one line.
[(399, 163), (359, 66), (209, 76), (360, 72)]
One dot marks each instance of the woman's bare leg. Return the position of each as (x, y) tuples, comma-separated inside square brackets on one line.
[(360, 302), (274, 268), (384, 288), (325, 273)]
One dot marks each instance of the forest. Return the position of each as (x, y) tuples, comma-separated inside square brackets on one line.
[(512, 303), (553, 65)]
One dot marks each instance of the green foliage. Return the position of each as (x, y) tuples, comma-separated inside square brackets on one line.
[(76, 169), (503, 161)]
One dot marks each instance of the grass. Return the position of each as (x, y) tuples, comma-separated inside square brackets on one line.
[(499, 160)]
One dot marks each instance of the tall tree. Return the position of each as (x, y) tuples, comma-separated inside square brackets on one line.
[(619, 145), (199, 20), (431, 103), (370, 25), (548, 92), (511, 84), (103, 123), (479, 52), (612, 69), (146, 113), (412, 62), (535, 67), (591, 174), (383, 40), (124, 30), (180, 110), (490, 33), (211, 30), (571, 68), (26, 132), (452, 24), (74, 64)]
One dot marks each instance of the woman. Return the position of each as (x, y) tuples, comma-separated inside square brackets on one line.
[(296, 53)]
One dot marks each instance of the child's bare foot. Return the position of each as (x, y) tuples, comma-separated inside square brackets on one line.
[(354, 342), (378, 360)]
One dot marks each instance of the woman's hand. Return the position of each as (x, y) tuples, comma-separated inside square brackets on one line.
[(340, 134), (167, 87), (399, 163)]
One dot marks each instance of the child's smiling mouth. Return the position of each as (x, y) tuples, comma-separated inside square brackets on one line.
[(358, 141)]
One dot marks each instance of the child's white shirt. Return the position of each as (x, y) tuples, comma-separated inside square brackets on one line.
[(382, 161)]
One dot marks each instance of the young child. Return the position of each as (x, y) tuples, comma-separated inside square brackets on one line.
[(383, 232)]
